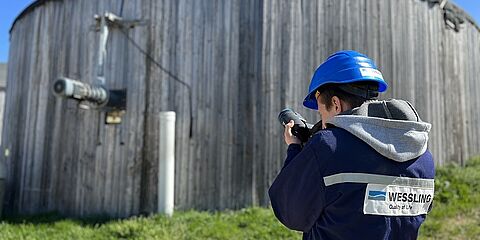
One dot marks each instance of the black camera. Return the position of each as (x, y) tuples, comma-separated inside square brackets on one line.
[(301, 129)]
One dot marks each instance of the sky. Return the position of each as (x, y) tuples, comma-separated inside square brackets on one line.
[(9, 10)]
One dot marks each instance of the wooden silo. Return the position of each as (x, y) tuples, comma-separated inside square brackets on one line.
[(244, 60)]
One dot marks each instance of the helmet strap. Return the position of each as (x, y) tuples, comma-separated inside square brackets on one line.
[(367, 92)]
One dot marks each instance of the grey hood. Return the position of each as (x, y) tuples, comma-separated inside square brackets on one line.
[(392, 127)]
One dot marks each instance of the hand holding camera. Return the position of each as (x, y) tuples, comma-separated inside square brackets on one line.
[(289, 137), (297, 130)]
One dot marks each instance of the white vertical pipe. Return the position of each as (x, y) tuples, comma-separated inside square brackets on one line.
[(166, 162)]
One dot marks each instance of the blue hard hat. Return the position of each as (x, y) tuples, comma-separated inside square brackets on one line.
[(344, 67)]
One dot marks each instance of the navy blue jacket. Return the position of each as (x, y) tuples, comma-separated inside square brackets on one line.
[(301, 200)]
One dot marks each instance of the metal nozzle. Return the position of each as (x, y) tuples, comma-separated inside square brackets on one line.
[(69, 88)]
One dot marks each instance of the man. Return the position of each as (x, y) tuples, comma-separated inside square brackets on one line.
[(367, 174)]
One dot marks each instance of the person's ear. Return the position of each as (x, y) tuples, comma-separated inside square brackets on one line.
[(337, 105)]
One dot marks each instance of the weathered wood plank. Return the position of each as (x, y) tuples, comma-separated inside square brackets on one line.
[(244, 61)]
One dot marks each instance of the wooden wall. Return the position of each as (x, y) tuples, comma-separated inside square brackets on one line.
[(245, 61)]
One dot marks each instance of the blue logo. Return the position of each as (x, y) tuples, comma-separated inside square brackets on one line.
[(377, 195)]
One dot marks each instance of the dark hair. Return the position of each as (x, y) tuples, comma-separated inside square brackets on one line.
[(327, 92)]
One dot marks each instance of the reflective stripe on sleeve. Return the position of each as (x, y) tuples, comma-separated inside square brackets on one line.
[(377, 179)]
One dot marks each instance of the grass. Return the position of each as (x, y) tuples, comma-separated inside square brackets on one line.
[(456, 209), (252, 223), (455, 215)]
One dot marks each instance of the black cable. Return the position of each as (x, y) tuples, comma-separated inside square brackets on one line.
[(154, 61), (121, 8), (151, 59)]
